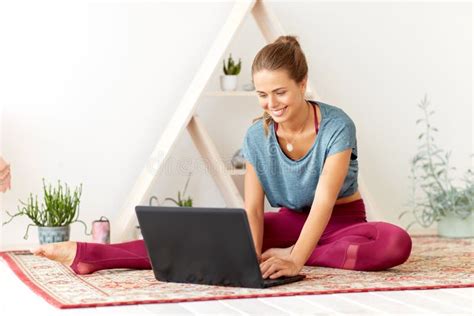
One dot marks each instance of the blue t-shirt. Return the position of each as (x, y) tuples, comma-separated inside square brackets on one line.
[(292, 183)]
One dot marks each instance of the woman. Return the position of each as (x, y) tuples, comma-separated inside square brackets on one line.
[(302, 155)]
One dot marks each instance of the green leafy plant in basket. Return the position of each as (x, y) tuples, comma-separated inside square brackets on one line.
[(181, 201), (430, 169), (59, 209)]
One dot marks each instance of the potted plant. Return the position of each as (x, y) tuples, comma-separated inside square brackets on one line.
[(452, 207), (53, 218), (229, 79), (180, 202)]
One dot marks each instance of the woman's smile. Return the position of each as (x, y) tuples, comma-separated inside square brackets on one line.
[(279, 112)]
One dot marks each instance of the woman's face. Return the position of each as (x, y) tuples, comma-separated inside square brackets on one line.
[(279, 96)]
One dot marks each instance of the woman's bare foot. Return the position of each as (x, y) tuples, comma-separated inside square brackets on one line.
[(63, 252)]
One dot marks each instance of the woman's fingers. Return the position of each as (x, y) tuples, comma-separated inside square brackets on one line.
[(5, 169), (271, 269), (4, 187), (5, 179), (278, 274), (267, 254), (264, 265), (270, 266), (4, 175), (3, 163), (5, 184)]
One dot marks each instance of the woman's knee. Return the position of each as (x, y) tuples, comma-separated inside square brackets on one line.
[(396, 242)]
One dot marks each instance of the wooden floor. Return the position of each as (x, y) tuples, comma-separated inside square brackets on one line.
[(16, 298)]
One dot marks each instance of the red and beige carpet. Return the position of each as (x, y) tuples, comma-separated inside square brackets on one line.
[(435, 262)]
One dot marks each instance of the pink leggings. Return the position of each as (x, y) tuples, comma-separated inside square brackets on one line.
[(348, 242)]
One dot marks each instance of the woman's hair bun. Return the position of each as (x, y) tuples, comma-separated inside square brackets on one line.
[(287, 39)]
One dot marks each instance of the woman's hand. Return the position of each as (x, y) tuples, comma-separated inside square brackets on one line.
[(283, 253), (275, 267), (5, 176)]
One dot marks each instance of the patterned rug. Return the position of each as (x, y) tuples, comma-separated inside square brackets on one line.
[(434, 263)]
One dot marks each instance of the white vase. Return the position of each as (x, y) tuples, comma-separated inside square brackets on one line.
[(453, 226), (228, 82)]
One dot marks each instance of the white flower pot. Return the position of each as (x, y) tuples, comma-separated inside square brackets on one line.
[(228, 82), (453, 226)]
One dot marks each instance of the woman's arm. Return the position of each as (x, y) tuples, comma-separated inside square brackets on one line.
[(254, 203), (330, 183)]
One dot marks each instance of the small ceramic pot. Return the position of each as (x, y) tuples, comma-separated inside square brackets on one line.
[(228, 82), (454, 226), (53, 234)]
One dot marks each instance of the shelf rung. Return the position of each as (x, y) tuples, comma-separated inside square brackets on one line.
[(230, 94), (308, 94), (236, 172)]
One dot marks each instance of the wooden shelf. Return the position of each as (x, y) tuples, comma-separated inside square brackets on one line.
[(241, 93), (237, 93), (236, 172), (185, 117)]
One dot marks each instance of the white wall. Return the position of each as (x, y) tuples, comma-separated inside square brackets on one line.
[(87, 89)]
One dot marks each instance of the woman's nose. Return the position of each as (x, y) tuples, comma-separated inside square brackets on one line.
[(271, 102)]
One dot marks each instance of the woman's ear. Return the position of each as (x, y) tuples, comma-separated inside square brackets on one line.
[(303, 85)]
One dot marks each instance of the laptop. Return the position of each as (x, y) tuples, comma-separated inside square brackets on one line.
[(200, 245)]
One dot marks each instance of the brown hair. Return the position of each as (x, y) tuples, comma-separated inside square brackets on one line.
[(283, 54)]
